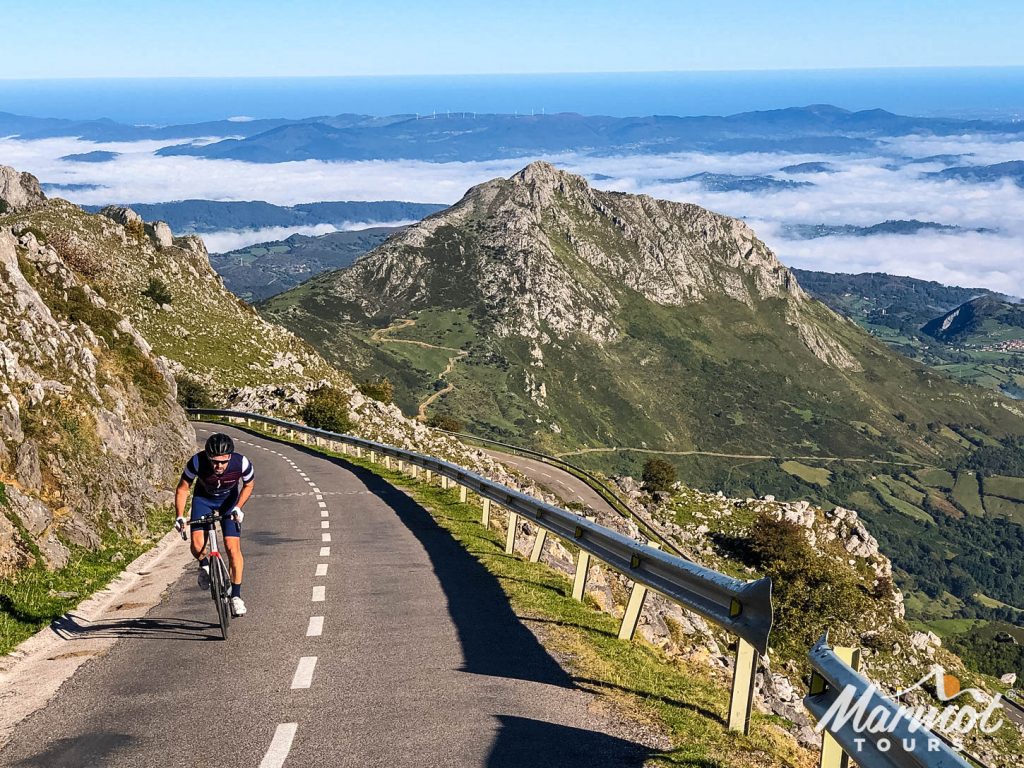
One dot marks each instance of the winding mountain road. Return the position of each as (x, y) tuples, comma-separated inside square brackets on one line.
[(562, 484), (373, 639)]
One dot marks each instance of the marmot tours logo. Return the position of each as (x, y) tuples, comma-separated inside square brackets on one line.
[(961, 711)]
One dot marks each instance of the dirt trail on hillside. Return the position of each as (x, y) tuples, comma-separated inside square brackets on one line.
[(379, 336)]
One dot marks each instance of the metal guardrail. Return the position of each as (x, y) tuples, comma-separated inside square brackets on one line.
[(614, 500), (741, 608), (900, 745)]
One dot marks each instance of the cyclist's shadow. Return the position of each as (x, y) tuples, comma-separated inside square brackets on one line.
[(71, 627)]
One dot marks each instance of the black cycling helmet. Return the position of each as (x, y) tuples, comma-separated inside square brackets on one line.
[(219, 444)]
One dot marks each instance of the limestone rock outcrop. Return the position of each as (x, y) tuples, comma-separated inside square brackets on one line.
[(19, 191)]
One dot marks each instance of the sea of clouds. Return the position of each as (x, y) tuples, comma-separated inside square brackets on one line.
[(864, 190)]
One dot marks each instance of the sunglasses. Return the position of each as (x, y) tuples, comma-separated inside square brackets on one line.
[(217, 462)]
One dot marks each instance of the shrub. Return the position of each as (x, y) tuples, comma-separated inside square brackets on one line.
[(445, 421), (327, 408), (136, 228), (379, 388), (158, 291), (74, 253), (809, 592), (658, 475), (192, 393)]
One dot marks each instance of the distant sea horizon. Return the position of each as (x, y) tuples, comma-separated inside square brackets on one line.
[(994, 93)]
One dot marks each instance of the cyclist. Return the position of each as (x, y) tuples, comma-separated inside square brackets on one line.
[(225, 483)]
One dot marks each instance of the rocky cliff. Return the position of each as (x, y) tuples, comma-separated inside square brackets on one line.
[(89, 426)]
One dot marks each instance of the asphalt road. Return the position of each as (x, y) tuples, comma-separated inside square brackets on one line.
[(373, 639), (564, 485)]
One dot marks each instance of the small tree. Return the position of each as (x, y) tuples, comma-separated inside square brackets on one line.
[(444, 421), (379, 388), (194, 394), (658, 476), (327, 408), (158, 291)]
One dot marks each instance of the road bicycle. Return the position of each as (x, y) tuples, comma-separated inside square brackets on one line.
[(220, 584)]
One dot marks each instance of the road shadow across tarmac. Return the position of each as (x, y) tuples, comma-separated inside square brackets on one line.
[(496, 643)]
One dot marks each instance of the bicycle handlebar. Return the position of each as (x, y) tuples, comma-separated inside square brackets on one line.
[(206, 519)]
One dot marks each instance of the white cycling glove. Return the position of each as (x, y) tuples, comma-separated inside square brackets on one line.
[(179, 524), (238, 514)]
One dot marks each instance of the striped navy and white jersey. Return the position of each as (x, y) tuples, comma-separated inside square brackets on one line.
[(208, 483)]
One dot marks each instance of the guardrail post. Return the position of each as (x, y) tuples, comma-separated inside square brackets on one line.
[(742, 698), (579, 582), (510, 536), (373, 457), (634, 607), (359, 452), (401, 466), (415, 471), (387, 462), (485, 516), (463, 494), (428, 475), (538, 545), (832, 755), (444, 482)]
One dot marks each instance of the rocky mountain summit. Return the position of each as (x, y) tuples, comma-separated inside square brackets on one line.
[(509, 239)]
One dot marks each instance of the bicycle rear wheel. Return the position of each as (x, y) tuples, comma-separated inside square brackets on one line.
[(221, 594)]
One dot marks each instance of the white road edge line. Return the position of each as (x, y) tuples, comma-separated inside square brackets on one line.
[(280, 746), (316, 626), (319, 594), (321, 569), (304, 672)]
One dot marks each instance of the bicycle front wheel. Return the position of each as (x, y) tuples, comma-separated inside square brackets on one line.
[(221, 594)]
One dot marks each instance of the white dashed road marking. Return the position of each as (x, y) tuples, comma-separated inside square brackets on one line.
[(304, 672), (325, 537), (324, 513), (325, 524), (321, 569), (319, 594), (280, 746), (316, 626), (325, 551)]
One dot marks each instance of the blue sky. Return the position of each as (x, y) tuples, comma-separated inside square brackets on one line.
[(225, 38)]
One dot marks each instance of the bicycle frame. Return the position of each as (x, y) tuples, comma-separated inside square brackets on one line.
[(220, 580)]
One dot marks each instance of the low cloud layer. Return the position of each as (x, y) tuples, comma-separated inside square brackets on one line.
[(232, 240), (862, 191)]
